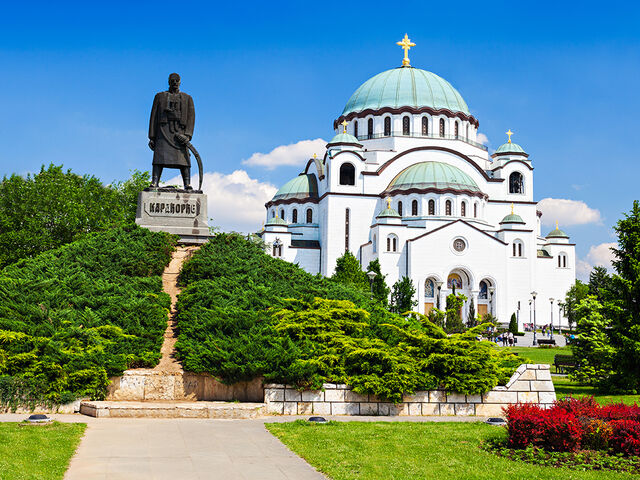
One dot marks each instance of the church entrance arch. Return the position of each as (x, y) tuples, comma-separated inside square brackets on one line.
[(486, 290), (460, 281)]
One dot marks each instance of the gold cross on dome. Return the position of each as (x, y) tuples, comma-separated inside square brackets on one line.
[(406, 44), (315, 156), (509, 132), (557, 225), (512, 209), (388, 203), (344, 126)]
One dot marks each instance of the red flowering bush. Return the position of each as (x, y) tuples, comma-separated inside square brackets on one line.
[(625, 437), (559, 431), (596, 433), (620, 411), (580, 407), (523, 424)]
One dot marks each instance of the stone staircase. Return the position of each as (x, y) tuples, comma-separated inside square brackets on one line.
[(167, 391)]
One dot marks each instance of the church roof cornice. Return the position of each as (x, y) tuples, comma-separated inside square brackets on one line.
[(453, 223)]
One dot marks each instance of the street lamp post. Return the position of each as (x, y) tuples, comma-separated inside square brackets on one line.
[(492, 290), (551, 300), (559, 317), (372, 276), (535, 342)]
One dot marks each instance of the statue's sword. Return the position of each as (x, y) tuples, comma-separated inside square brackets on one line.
[(197, 155)]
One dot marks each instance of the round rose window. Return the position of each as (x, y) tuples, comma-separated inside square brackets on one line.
[(459, 245)]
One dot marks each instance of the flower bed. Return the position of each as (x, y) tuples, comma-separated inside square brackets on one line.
[(577, 433)]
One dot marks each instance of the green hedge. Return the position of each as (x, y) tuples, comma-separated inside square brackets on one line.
[(72, 317), (244, 314)]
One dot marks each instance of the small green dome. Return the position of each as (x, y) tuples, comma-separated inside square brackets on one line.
[(303, 186), (436, 175), (557, 233), (512, 218), (406, 87), (277, 221), (388, 212), (510, 147), (344, 138)]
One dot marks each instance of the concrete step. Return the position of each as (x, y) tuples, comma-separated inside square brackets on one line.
[(123, 409)]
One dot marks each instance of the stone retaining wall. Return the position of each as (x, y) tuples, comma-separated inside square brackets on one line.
[(529, 384)]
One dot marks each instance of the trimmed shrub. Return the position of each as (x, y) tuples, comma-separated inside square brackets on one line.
[(559, 431), (523, 424), (625, 437)]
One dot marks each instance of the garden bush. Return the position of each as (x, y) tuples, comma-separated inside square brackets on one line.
[(73, 316), (243, 314), (572, 424)]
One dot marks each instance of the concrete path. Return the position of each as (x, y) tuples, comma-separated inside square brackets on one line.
[(184, 449)]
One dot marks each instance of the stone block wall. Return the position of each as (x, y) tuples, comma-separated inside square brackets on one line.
[(529, 384)]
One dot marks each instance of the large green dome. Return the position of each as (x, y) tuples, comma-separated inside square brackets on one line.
[(301, 187), (434, 175), (406, 87)]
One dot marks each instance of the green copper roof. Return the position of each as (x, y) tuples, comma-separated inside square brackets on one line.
[(433, 175), (557, 233), (388, 212), (303, 186), (510, 147), (344, 138), (276, 221), (406, 87), (512, 218)]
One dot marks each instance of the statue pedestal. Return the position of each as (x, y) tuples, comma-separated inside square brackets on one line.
[(174, 211)]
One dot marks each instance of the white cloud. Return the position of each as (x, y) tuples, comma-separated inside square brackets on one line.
[(598, 256), (295, 154), (482, 138), (235, 201), (567, 212)]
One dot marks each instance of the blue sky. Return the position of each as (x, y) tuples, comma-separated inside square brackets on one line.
[(79, 80)]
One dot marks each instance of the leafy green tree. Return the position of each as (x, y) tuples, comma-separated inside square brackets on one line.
[(625, 332), (453, 322), (53, 207), (592, 347), (575, 295), (379, 288), (513, 324), (471, 315), (402, 296), (348, 272)]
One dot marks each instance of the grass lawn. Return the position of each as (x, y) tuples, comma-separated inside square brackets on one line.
[(37, 452), (541, 355), (398, 450)]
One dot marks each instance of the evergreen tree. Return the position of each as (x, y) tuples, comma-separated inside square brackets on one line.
[(625, 332), (348, 272), (379, 288), (471, 316), (402, 296), (600, 283), (454, 319), (513, 324), (575, 295)]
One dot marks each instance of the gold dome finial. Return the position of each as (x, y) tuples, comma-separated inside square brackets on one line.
[(315, 156), (344, 126), (388, 203), (512, 208), (557, 228), (406, 44), (509, 132)]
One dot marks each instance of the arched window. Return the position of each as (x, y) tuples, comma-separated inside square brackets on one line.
[(414, 208), (375, 244), (562, 260), (475, 210), (463, 209), (346, 229), (370, 128), (484, 288), (429, 289), (456, 130), (467, 135), (387, 126), (432, 207), (425, 126), (400, 208), (355, 128), (516, 183), (282, 213), (273, 214), (309, 215), (294, 216), (347, 174), (447, 207), (518, 248), (392, 243), (277, 248), (442, 127), (406, 126)]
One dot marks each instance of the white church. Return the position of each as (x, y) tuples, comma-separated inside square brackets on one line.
[(405, 181)]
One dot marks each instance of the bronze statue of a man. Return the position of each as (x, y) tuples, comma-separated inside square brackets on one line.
[(170, 131)]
